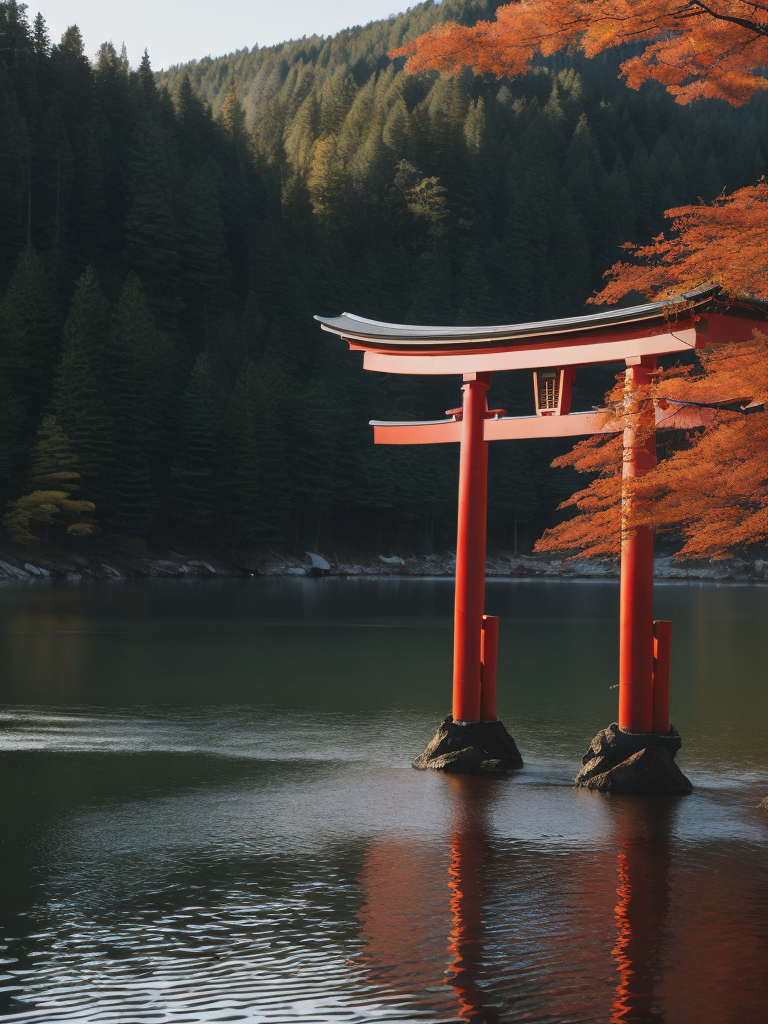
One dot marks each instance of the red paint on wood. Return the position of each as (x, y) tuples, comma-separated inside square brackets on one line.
[(489, 647), (662, 659), (566, 389), (574, 425), (440, 432), (615, 347), (514, 428), (636, 603), (470, 552), (719, 329)]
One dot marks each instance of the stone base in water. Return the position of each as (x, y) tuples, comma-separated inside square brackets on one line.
[(471, 748), (633, 763)]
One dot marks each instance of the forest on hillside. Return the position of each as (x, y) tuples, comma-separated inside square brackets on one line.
[(166, 239)]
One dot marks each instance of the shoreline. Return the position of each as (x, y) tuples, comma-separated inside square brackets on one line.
[(58, 566)]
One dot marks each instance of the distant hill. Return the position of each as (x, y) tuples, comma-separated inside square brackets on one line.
[(260, 73)]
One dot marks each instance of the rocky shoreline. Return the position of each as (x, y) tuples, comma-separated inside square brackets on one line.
[(27, 567)]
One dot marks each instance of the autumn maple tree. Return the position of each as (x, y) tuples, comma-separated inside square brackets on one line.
[(696, 49), (715, 492)]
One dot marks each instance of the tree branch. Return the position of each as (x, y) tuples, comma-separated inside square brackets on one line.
[(695, 8)]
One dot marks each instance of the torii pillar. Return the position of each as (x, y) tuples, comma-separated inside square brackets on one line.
[(469, 601), (635, 755), (636, 629)]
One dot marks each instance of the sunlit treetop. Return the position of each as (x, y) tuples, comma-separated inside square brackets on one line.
[(696, 49)]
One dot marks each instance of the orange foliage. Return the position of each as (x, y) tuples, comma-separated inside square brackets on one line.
[(596, 531), (695, 48), (716, 492), (724, 243), (602, 516)]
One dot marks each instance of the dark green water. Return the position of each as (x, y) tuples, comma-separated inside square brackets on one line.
[(208, 814)]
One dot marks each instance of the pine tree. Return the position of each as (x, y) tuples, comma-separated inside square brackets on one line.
[(147, 82), (88, 322), (151, 231), (326, 181), (475, 302), (48, 509), (129, 501), (11, 446), (137, 374), (79, 400), (242, 496), (15, 197), (232, 117), (30, 330), (203, 257), (195, 473)]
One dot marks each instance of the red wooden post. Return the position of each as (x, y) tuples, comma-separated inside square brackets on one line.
[(636, 609), (489, 647), (470, 550), (662, 658)]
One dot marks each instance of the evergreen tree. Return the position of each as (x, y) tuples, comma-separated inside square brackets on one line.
[(195, 472), (232, 118), (137, 374), (242, 493), (30, 330), (11, 447), (48, 510), (151, 231), (79, 400), (203, 257), (87, 325)]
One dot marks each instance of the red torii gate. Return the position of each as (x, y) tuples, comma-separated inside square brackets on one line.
[(552, 349)]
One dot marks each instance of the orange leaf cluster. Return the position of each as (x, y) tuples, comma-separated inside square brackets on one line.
[(724, 243), (596, 530), (695, 48), (716, 492)]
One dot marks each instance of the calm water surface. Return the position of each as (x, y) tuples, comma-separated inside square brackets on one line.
[(208, 813)]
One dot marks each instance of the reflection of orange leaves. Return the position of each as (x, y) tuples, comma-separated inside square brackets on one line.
[(694, 50), (724, 243)]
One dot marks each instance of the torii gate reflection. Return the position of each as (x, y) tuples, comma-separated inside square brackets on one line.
[(432, 937), (636, 336)]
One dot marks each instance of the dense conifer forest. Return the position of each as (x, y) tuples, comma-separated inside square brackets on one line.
[(166, 238)]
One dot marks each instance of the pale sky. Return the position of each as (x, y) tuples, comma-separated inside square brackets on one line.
[(175, 31)]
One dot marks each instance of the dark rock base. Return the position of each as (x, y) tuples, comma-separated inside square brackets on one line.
[(633, 763), (471, 748)]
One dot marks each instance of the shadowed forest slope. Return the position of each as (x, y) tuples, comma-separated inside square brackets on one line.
[(165, 240)]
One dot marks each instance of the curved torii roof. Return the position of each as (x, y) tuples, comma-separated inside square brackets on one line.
[(670, 325)]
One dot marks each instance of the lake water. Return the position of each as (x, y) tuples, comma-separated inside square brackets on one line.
[(208, 811)]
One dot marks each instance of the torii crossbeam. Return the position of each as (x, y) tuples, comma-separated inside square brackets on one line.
[(553, 349)]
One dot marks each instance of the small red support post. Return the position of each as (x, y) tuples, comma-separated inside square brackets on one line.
[(662, 659), (489, 647), (636, 607), (470, 550)]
